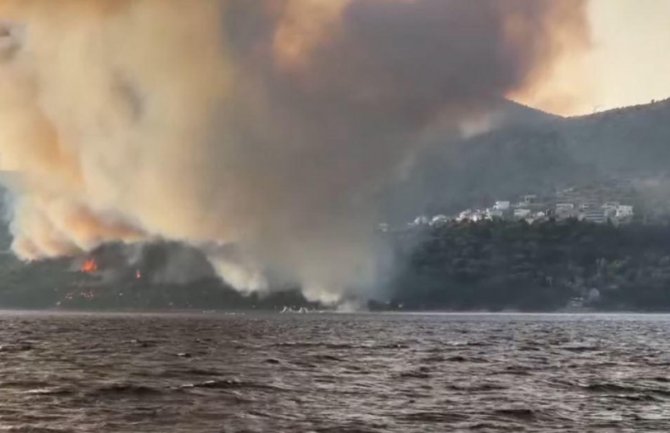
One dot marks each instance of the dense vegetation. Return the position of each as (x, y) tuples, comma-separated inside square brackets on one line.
[(56, 284), (489, 265), (60, 284), (498, 265), (54, 288)]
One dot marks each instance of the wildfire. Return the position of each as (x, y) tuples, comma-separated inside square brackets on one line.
[(90, 266)]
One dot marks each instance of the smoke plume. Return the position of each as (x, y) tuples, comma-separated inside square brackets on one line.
[(259, 132)]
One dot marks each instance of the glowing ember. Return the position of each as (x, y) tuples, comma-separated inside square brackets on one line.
[(90, 266)]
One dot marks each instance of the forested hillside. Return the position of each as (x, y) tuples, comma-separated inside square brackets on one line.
[(499, 265)]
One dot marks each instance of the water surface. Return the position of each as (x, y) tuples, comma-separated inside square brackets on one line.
[(333, 373)]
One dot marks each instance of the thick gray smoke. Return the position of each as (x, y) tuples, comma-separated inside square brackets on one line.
[(260, 132)]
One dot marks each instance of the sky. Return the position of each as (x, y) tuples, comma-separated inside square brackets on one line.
[(629, 61)]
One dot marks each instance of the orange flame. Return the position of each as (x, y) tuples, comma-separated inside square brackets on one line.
[(90, 266)]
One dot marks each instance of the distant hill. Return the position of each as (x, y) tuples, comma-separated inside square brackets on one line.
[(633, 140), (534, 152), (514, 114)]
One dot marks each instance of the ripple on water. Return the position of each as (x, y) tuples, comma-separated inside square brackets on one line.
[(376, 374)]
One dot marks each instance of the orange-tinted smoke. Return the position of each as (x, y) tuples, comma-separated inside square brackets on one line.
[(259, 131)]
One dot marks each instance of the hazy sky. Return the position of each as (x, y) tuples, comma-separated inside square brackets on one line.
[(630, 60)]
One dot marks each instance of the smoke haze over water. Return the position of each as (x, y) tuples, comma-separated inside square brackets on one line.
[(260, 132)]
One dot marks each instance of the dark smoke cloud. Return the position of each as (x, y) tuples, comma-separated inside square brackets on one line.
[(260, 132)]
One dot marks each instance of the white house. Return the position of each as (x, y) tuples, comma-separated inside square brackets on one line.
[(565, 210), (502, 206), (521, 213), (420, 221), (625, 211), (439, 220), (494, 213)]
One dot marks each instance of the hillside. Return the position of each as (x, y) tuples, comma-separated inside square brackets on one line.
[(154, 281), (633, 140), (534, 152), (528, 152), (512, 265)]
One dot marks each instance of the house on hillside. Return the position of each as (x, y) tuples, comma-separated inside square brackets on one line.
[(593, 214), (522, 213), (565, 211)]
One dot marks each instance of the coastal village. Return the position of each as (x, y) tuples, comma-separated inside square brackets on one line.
[(599, 204)]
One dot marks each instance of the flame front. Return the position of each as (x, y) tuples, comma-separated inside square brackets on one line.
[(90, 266)]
